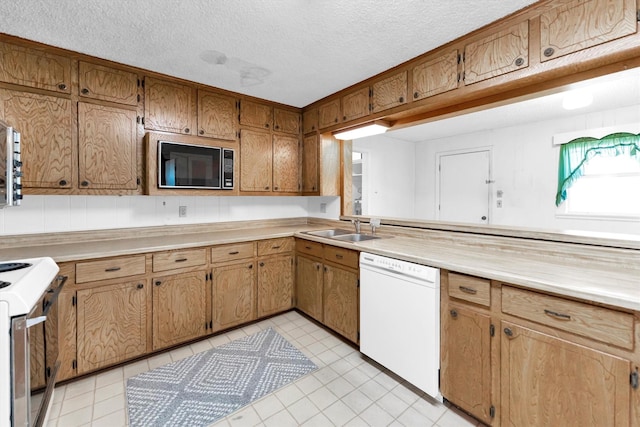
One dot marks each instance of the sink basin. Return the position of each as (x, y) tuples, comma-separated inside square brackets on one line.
[(355, 237), (329, 233)]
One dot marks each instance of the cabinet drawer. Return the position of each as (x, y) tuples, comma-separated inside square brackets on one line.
[(469, 288), (232, 252), (112, 268), (309, 247), (341, 256), (598, 323), (275, 246), (164, 261)]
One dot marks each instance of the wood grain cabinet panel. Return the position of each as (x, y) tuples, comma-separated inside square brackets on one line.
[(275, 246), (34, 68), (340, 301), (275, 284), (256, 160), (233, 295), (112, 268), (470, 288), (112, 324), (106, 147), (309, 287), (310, 153), (310, 121), (342, 256), (48, 152), (67, 331), (217, 115), (171, 260), (179, 308), (286, 164), (232, 252), (355, 104), (168, 106), (390, 92), (256, 115), (497, 54), (582, 24), (329, 114), (286, 121), (435, 76), (465, 369), (547, 381), (107, 84)]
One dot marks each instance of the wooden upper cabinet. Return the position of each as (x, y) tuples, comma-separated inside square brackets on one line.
[(581, 24), (255, 114), (286, 161), (286, 121), (355, 104), (107, 84), (256, 160), (329, 114), (168, 106), (310, 155), (497, 54), (437, 75), (106, 147), (390, 92), (34, 68), (217, 115), (48, 153), (310, 121)]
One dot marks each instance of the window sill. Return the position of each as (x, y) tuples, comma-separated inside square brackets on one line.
[(598, 217)]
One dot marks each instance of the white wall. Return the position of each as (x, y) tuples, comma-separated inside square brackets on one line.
[(389, 181), (44, 214)]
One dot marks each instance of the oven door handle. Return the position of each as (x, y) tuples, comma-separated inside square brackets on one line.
[(35, 320), (50, 301)]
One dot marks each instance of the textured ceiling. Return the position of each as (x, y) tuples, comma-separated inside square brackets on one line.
[(289, 51)]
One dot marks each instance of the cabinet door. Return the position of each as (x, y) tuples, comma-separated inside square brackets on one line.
[(497, 54), (217, 115), (106, 147), (438, 75), (67, 330), (286, 121), (286, 163), (108, 84), (257, 115), (35, 68), (466, 348), (547, 381), (355, 104), (340, 301), (112, 324), (309, 279), (329, 114), (179, 308), (581, 24), (390, 92), (168, 106), (275, 284), (310, 121), (233, 295), (48, 153), (256, 160), (310, 155)]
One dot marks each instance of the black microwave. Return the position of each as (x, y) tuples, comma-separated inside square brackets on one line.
[(194, 166)]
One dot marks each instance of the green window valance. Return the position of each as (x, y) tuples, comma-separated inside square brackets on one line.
[(574, 155)]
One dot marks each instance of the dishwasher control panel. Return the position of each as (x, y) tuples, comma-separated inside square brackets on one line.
[(418, 271)]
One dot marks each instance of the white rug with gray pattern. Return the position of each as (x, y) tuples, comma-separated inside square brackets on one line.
[(207, 386)]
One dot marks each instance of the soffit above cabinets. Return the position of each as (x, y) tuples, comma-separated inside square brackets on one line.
[(290, 51)]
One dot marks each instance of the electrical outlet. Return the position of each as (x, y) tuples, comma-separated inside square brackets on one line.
[(182, 211), (499, 203), (323, 207)]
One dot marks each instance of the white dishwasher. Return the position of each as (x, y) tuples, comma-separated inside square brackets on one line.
[(400, 319)]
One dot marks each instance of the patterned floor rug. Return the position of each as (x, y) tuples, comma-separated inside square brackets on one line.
[(207, 386)]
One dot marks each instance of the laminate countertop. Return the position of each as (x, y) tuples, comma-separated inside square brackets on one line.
[(572, 275)]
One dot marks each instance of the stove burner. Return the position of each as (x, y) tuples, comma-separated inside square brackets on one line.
[(11, 266)]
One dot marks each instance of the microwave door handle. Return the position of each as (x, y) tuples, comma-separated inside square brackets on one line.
[(35, 320)]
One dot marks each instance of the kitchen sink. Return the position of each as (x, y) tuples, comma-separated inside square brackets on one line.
[(329, 233), (355, 237)]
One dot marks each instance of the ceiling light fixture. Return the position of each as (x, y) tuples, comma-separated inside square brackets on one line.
[(368, 129), (577, 99)]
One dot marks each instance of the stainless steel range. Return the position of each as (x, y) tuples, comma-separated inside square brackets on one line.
[(28, 339)]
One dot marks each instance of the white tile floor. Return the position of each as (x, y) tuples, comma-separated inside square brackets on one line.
[(346, 390)]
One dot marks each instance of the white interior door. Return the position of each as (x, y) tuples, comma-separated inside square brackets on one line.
[(464, 187)]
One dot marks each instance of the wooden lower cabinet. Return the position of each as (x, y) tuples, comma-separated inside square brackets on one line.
[(341, 301), (233, 295), (309, 284), (547, 381), (465, 366), (113, 324), (275, 284), (179, 308)]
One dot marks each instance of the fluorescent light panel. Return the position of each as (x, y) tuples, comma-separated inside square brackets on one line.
[(369, 129)]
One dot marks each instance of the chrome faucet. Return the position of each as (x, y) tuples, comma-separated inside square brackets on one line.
[(374, 223), (356, 224)]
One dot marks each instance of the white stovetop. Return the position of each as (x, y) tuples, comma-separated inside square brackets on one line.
[(27, 284)]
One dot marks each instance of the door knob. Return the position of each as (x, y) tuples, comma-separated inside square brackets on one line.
[(483, 217)]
